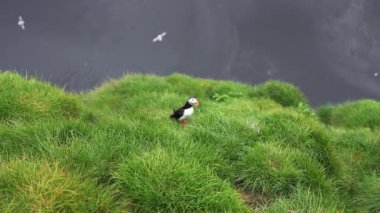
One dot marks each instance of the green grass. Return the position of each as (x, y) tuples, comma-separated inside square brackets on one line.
[(369, 194), (40, 187), (158, 180), (283, 93), (304, 200), (34, 100), (274, 170), (114, 149), (363, 113)]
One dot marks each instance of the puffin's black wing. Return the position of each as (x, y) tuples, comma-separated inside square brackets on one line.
[(177, 113)]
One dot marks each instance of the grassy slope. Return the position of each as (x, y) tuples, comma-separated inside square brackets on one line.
[(245, 149)]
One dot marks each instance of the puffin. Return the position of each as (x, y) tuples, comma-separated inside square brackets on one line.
[(186, 111)]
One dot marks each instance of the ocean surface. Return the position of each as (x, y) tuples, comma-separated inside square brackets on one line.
[(330, 49)]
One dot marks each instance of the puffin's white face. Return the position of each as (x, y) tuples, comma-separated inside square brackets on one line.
[(193, 101)]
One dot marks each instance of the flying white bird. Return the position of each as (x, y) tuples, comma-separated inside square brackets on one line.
[(159, 37), (21, 23)]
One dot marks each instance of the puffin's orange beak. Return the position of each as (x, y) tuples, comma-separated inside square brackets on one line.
[(197, 104)]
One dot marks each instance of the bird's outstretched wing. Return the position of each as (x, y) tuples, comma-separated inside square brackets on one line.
[(159, 37), (177, 113)]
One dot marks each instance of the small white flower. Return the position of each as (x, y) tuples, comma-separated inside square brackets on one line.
[(375, 74), (255, 126), (159, 37)]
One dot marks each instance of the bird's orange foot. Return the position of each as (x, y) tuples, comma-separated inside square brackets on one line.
[(184, 123)]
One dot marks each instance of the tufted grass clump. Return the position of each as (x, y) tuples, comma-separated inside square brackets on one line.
[(356, 114), (41, 138), (304, 200), (158, 181), (357, 154), (30, 99), (273, 170), (368, 198), (305, 133), (37, 186), (283, 93), (325, 112)]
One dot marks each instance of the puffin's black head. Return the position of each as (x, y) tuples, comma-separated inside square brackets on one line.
[(193, 101)]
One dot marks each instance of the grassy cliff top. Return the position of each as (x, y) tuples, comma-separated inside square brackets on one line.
[(114, 149)]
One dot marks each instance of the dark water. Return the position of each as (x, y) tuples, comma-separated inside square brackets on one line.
[(330, 49)]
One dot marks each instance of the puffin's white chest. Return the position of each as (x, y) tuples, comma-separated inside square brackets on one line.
[(187, 113)]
